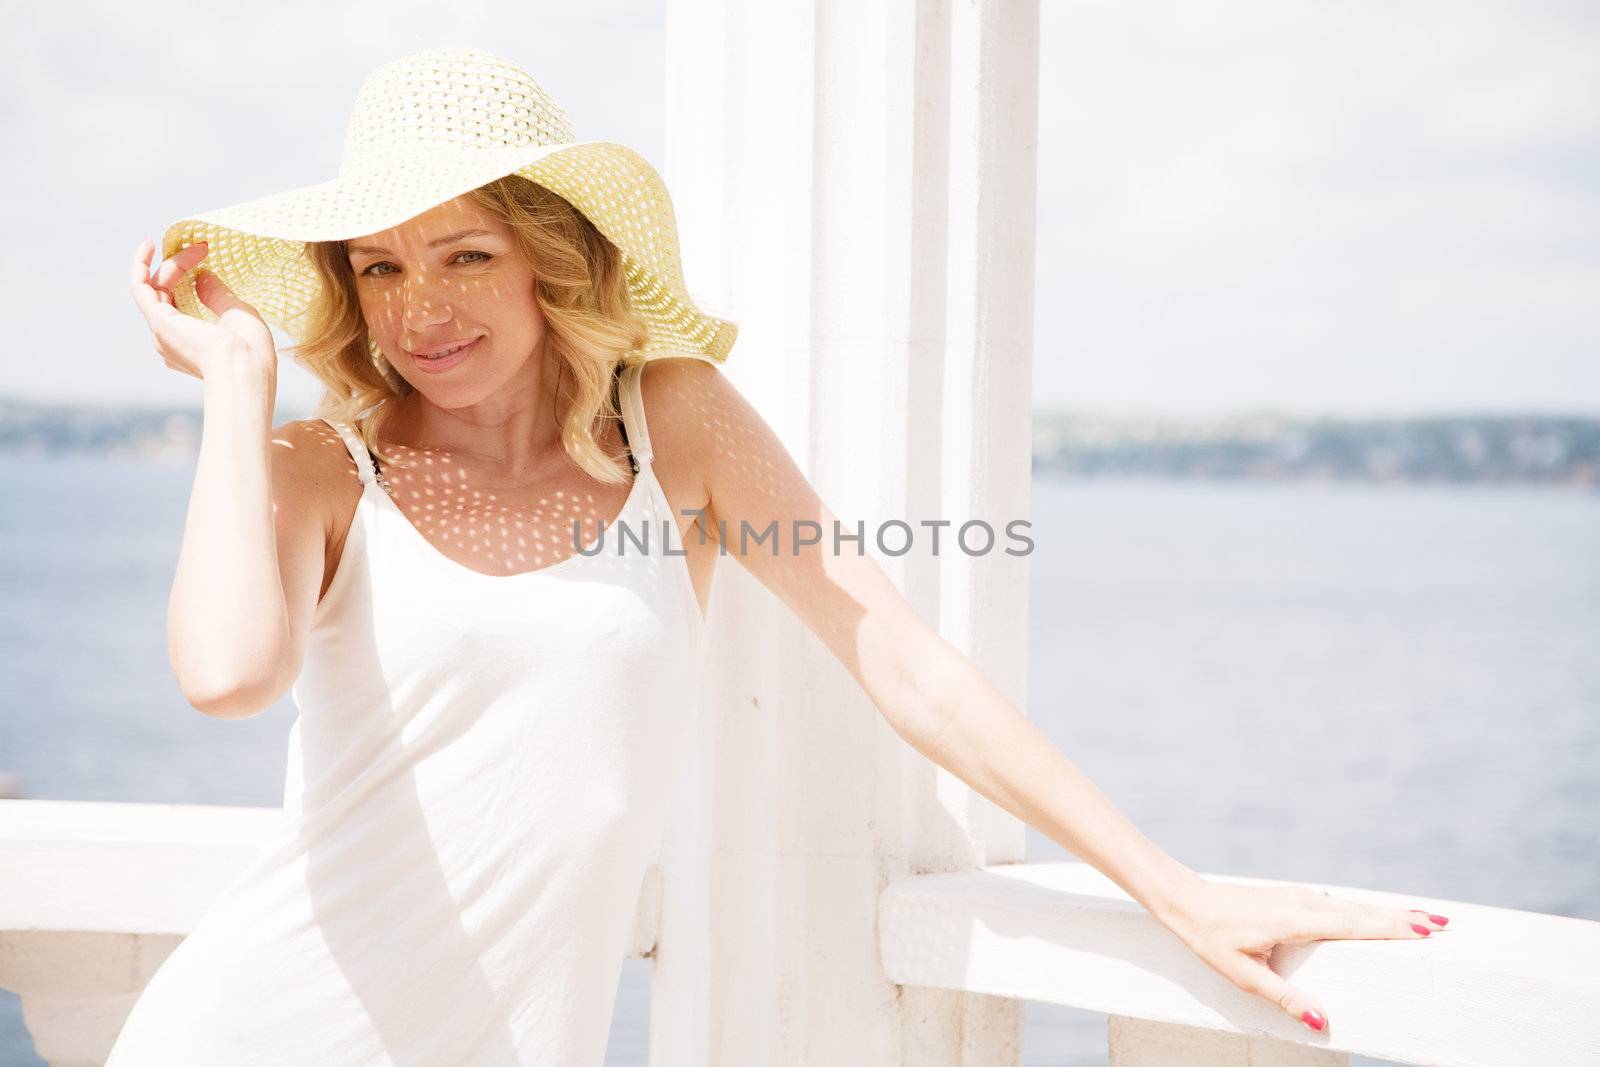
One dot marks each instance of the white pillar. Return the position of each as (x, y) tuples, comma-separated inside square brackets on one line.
[(855, 186)]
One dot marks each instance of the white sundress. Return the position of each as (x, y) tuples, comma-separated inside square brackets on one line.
[(479, 777)]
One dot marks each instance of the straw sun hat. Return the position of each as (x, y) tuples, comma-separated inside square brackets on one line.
[(425, 129)]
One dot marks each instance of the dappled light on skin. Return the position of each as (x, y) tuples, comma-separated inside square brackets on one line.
[(695, 411), (501, 502), (742, 448), (500, 531), (463, 517), (453, 273)]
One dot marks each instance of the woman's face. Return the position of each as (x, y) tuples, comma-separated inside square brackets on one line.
[(452, 274)]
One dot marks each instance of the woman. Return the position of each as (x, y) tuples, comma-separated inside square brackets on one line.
[(490, 696)]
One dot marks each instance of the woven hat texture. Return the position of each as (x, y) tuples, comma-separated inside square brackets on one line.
[(425, 129)]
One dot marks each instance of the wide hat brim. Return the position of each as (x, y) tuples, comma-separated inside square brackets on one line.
[(259, 247)]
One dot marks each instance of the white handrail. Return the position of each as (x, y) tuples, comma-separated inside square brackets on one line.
[(1496, 986), (96, 894)]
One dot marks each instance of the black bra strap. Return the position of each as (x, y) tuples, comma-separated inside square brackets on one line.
[(616, 403)]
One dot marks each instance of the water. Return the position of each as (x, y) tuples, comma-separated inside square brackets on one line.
[(1387, 687), (1390, 687)]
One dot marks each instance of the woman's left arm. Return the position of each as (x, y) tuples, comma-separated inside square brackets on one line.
[(934, 698)]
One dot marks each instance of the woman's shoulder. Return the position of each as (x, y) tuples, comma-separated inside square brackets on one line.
[(682, 397), (674, 388), (679, 368), (313, 468), (312, 447)]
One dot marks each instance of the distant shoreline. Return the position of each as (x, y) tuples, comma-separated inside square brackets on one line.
[(1530, 449)]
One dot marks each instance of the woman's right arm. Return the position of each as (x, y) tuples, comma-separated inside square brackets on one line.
[(251, 562), (250, 566)]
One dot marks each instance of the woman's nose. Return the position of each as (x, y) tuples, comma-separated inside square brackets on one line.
[(424, 307)]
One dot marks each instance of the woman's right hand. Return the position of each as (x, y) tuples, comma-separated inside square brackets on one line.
[(239, 340)]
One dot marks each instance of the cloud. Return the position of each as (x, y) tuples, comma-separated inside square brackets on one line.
[(1344, 206), (128, 118), (1315, 195)]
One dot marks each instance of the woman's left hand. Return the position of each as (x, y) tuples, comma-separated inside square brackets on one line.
[(1234, 929)]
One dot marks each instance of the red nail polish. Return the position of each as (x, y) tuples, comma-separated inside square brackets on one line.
[(1440, 919), (1419, 928), (1313, 1018)]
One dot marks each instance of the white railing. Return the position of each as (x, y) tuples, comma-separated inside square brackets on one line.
[(96, 895), (1496, 986)]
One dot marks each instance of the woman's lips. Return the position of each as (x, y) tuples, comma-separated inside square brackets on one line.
[(444, 363)]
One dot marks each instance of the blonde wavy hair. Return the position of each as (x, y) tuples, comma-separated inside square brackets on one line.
[(580, 284)]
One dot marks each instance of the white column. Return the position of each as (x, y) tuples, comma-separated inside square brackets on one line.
[(855, 186)]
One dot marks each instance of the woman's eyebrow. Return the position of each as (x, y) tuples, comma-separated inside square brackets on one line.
[(374, 250)]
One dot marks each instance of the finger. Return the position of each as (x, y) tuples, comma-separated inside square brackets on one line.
[(1326, 901), (1316, 899), (215, 294), (1420, 916), (145, 296), (1338, 918), (229, 309), (1256, 977), (139, 269), (173, 270)]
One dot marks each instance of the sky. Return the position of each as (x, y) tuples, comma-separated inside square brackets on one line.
[(1312, 208)]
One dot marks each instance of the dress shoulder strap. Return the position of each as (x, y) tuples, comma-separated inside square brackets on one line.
[(633, 413), (357, 448)]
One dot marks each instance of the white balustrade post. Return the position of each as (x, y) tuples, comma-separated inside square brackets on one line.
[(1142, 1043), (94, 896), (855, 186)]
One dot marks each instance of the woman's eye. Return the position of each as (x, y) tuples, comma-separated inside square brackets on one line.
[(374, 272)]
